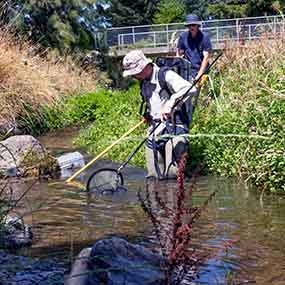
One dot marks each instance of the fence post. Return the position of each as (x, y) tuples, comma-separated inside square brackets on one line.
[(154, 39), (237, 30), (167, 36), (134, 37), (249, 32), (274, 25), (217, 34)]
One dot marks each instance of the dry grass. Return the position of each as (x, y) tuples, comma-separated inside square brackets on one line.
[(253, 69), (27, 79)]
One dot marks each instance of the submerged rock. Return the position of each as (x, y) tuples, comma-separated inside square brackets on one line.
[(23, 156), (115, 261), (16, 233), (19, 270)]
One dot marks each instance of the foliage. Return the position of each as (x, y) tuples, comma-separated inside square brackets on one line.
[(29, 84), (208, 9), (241, 133), (169, 11), (116, 113), (64, 25), (264, 7), (251, 106), (223, 11), (130, 13), (197, 7)]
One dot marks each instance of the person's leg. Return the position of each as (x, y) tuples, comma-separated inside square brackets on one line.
[(174, 149), (153, 162)]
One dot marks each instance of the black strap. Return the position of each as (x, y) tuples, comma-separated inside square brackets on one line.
[(141, 111), (182, 112)]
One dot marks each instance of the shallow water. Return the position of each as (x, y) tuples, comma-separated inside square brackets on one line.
[(65, 219)]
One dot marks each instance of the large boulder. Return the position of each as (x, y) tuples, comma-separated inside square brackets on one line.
[(116, 261), (23, 155)]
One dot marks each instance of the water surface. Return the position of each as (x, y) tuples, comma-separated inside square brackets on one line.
[(65, 219)]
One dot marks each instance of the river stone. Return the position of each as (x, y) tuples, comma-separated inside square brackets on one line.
[(16, 233), (21, 156), (19, 270), (116, 261)]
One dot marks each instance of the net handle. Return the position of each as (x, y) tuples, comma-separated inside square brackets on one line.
[(104, 151), (137, 149)]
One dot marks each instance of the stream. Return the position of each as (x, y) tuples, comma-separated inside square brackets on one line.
[(65, 220)]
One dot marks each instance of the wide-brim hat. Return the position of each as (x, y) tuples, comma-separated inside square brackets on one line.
[(192, 20), (134, 63)]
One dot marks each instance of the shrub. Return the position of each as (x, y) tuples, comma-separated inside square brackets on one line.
[(251, 106), (116, 113)]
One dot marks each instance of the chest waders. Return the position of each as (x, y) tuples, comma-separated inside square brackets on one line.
[(171, 129)]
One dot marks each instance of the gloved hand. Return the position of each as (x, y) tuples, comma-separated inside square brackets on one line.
[(148, 118)]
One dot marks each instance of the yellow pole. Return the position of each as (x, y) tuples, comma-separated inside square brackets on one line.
[(104, 152)]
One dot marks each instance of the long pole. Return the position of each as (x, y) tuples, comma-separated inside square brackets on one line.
[(104, 151)]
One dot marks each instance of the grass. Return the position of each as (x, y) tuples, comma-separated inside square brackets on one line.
[(251, 103), (116, 113), (30, 83)]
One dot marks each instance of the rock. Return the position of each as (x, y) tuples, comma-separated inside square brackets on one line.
[(116, 261), (16, 233), (19, 270), (9, 126), (69, 161), (80, 272), (22, 156)]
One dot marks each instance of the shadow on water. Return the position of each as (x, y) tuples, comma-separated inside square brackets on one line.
[(65, 219)]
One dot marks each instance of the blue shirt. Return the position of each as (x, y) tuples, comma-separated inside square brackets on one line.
[(193, 48)]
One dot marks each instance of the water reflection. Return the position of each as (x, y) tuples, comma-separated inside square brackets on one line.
[(66, 219)]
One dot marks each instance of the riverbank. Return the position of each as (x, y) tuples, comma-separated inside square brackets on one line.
[(33, 85), (237, 132)]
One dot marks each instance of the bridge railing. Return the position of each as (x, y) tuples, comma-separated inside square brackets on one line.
[(218, 35), (164, 34)]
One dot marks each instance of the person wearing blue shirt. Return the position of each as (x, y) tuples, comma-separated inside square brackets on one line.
[(195, 46)]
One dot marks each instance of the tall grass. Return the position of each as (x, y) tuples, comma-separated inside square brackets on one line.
[(30, 82), (251, 103)]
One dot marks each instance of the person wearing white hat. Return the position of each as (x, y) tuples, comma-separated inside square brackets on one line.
[(160, 89), (195, 46)]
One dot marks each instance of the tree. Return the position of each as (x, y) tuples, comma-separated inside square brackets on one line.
[(130, 13), (265, 7), (223, 11), (197, 7), (59, 24), (169, 11)]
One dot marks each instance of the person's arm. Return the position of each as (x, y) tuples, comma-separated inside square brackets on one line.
[(180, 87), (207, 48), (179, 52), (205, 63), (180, 49)]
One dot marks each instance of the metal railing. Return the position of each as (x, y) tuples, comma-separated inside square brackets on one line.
[(165, 35)]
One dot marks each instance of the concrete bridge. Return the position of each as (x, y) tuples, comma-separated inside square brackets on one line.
[(162, 39)]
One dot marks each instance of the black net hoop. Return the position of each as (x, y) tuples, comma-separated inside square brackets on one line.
[(105, 180)]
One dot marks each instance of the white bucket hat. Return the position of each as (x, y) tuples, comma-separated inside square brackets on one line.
[(134, 62)]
